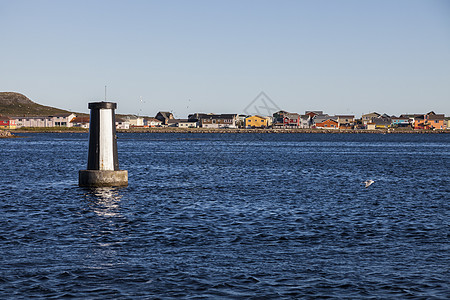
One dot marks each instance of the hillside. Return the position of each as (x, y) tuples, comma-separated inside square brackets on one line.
[(15, 104)]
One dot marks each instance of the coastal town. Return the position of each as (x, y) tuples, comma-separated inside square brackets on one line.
[(279, 120)]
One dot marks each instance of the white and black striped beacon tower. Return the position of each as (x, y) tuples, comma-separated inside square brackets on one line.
[(103, 162)]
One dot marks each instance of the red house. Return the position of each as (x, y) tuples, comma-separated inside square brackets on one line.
[(291, 120), (7, 123)]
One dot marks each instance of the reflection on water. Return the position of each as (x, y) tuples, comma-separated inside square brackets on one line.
[(104, 201), (104, 230)]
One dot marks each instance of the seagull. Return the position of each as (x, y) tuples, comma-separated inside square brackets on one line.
[(368, 182)]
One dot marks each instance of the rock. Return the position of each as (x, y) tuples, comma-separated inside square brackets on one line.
[(4, 134)]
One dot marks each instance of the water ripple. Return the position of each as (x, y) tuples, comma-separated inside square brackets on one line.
[(228, 216)]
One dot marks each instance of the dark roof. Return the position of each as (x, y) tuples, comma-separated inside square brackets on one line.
[(281, 112), (152, 120), (197, 116), (327, 119), (292, 115), (411, 115), (372, 113), (165, 114), (221, 116), (320, 118), (436, 117), (316, 112), (381, 121), (345, 116), (175, 121)]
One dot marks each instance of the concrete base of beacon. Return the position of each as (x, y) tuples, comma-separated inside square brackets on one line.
[(100, 178)]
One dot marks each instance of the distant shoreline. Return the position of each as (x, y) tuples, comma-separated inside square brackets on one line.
[(275, 131), (231, 130)]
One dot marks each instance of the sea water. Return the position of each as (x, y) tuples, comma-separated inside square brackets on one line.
[(228, 216)]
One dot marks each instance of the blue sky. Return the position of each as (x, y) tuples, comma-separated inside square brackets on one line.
[(217, 56)]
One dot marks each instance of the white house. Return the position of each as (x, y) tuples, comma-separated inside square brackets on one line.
[(62, 120), (152, 122), (187, 124), (305, 121), (134, 120), (122, 124), (182, 123)]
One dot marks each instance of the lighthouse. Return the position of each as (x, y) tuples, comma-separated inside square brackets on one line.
[(103, 162)]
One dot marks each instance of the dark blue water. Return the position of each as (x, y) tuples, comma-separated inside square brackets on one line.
[(228, 216)]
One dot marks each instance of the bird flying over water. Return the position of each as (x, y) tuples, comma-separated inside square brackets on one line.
[(368, 182)]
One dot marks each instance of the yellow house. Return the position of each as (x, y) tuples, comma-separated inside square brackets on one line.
[(256, 122)]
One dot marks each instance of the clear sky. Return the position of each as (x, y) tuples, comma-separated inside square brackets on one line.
[(187, 56)]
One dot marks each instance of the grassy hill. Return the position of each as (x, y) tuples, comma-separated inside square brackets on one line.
[(15, 104)]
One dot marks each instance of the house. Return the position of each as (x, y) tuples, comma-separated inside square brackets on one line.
[(278, 118), (182, 123), (164, 117), (241, 121), (256, 122), (380, 123), (313, 113), (430, 121), (152, 122), (318, 119), (376, 121), (82, 122), (62, 120), (197, 116), (400, 122), (291, 120), (185, 123), (437, 121), (122, 123), (329, 123), (411, 118), (174, 122), (305, 121), (7, 123), (368, 118), (448, 123), (135, 121), (33, 122), (345, 121), (370, 126), (216, 121)]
